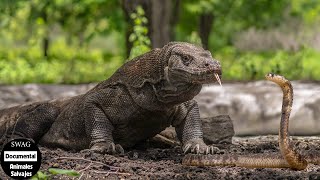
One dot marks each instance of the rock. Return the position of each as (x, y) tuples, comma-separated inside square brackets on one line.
[(14, 95), (255, 107), (166, 137), (169, 133), (217, 129)]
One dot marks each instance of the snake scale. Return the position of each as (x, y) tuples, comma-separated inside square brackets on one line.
[(287, 158)]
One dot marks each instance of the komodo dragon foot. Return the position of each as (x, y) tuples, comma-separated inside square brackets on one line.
[(105, 148), (197, 146)]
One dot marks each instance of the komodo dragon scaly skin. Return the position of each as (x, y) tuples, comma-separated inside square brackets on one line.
[(288, 158), (142, 98)]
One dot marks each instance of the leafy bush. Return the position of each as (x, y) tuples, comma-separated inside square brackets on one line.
[(301, 65), (139, 38), (54, 171), (65, 65)]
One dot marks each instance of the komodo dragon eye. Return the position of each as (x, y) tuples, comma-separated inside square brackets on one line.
[(186, 60)]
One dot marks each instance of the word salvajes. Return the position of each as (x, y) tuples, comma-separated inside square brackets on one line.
[(21, 166), (20, 174)]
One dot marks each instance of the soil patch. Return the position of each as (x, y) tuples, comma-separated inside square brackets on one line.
[(154, 162)]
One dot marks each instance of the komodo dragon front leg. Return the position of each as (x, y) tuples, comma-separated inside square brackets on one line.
[(100, 129), (189, 129)]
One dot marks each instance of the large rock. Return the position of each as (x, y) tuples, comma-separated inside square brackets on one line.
[(218, 129), (14, 95), (254, 107)]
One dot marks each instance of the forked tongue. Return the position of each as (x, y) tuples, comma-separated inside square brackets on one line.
[(218, 79)]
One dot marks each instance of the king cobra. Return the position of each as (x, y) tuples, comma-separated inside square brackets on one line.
[(287, 158)]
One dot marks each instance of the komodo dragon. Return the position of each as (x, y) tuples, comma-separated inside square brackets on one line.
[(142, 98)]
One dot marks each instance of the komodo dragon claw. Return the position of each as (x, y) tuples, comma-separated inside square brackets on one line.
[(197, 146), (106, 148)]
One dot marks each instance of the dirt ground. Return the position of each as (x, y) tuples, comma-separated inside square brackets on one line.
[(155, 161)]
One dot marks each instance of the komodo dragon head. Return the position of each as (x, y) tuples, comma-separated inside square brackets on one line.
[(186, 68), (191, 64)]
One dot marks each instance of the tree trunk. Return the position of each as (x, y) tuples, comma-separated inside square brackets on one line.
[(159, 27), (162, 17), (205, 26), (45, 40), (45, 46), (174, 17)]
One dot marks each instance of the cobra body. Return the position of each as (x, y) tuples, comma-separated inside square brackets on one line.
[(288, 158)]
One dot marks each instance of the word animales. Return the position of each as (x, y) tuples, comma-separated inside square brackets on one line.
[(142, 98)]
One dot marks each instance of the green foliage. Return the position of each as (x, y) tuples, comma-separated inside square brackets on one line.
[(65, 65), (71, 26), (194, 38), (80, 21), (307, 10), (54, 171), (301, 65), (70, 65), (139, 37), (40, 176), (232, 16), (259, 13)]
